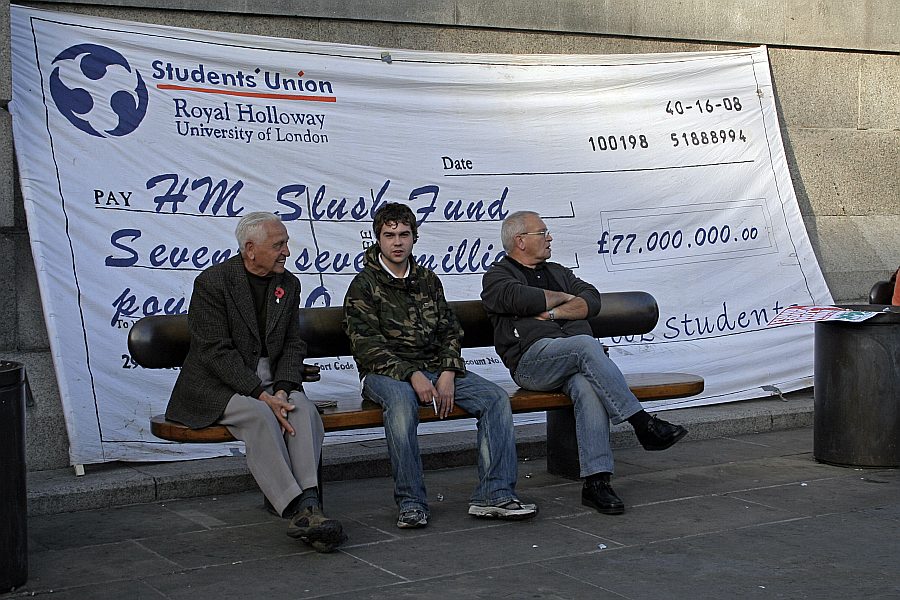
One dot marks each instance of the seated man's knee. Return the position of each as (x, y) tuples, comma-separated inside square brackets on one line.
[(304, 411), (401, 419), (260, 409), (500, 401), (496, 405), (589, 343), (390, 393), (299, 399), (578, 387), (592, 349), (260, 417)]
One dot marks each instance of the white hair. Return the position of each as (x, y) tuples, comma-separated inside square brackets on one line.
[(513, 226), (250, 227)]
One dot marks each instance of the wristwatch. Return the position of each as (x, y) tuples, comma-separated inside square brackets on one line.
[(551, 315)]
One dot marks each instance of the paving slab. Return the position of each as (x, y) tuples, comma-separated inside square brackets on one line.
[(95, 564), (490, 584), (303, 574), (744, 516)]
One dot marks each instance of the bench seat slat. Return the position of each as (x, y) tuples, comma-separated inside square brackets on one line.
[(358, 414)]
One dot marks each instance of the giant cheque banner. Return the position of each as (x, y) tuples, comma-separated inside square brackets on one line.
[(140, 146)]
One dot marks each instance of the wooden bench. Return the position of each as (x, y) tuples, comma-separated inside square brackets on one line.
[(162, 341)]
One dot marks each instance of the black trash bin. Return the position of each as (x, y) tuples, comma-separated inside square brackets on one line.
[(857, 391), (13, 509)]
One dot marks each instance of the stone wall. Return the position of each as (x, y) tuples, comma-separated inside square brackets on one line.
[(836, 67)]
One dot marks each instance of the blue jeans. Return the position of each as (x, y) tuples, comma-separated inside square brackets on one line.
[(497, 468), (597, 388)]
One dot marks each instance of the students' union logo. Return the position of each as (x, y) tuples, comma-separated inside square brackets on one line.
[(96, 89)]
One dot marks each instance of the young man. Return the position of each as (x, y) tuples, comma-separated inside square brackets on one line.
[(406, 342), (539, 310), (243, 370)]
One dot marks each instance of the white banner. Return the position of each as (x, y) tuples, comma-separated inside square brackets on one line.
[(140, 146)]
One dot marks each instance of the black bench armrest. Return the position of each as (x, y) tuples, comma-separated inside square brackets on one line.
[(881, 293), (162, 342), (159, 341)]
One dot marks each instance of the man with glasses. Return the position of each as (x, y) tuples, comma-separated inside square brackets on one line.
[(540, 313)]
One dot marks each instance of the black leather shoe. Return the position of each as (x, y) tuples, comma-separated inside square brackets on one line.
[(659, 435), (601, 496)]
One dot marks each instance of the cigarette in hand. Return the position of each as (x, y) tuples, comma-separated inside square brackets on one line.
[(434, 404)]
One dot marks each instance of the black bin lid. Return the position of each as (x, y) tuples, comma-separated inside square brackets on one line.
[(11, 373)]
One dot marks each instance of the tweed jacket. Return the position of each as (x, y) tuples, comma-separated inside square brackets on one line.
[(225, 345)]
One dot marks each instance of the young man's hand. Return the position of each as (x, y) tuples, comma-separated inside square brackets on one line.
[(446, 388), (441, 396)]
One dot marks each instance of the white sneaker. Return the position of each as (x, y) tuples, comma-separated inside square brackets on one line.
[(512, 510)]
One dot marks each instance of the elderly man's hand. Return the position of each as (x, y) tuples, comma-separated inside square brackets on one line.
[(279, 404)]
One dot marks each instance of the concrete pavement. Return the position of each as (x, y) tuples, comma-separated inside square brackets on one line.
[(751, 515)]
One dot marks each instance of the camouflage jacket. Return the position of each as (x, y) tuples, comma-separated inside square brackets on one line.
[(399, 326)]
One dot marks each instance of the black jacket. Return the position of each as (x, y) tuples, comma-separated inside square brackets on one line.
[(512, 305)]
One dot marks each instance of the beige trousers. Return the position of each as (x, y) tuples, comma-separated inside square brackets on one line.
[(283, 465)]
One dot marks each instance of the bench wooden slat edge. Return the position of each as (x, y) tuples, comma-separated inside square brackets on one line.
[(664, 386), (176, 432), (646, 386)]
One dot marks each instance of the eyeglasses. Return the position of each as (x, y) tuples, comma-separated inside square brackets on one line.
[(542, 233)]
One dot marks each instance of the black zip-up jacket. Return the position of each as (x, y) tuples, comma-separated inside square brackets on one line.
[(512, 306)]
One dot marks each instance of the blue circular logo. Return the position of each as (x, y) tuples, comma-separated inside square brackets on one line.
[(96, 89)]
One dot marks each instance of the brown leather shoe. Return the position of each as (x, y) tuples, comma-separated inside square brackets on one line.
[(311, 526)]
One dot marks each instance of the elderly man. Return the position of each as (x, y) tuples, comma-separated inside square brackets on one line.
[(539, 311), (406, 342), (243, 370)]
